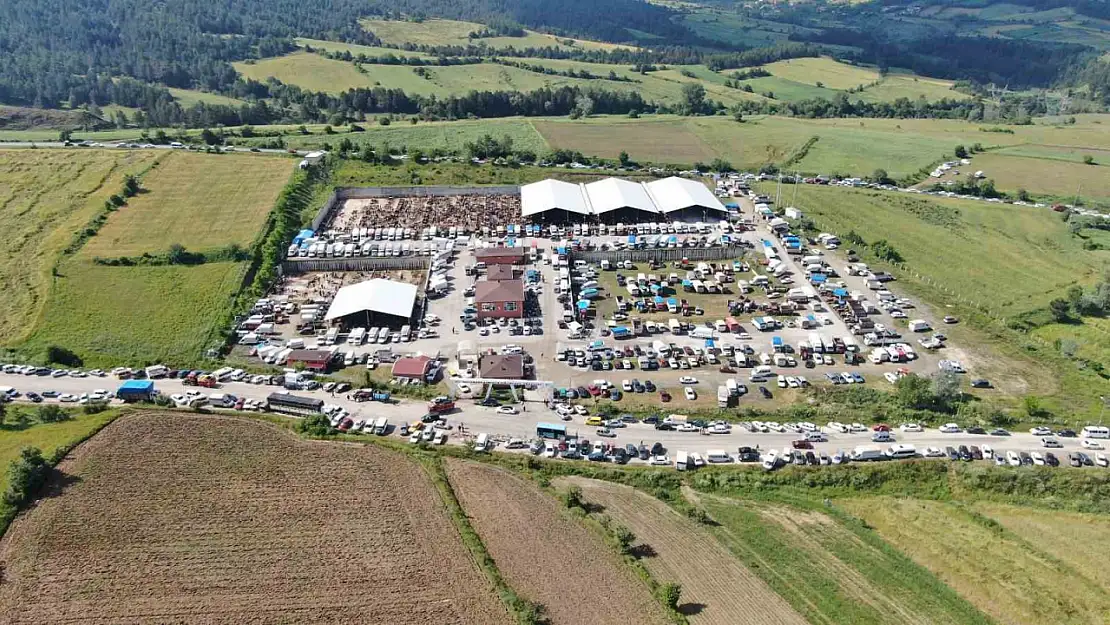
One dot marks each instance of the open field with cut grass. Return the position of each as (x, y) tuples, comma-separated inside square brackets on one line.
[(310, 71), (356, 49), (189, 97), (829, 72), (1010, 577), (1059, 177), (515, 519), (108, 315), (46, 196), (437, 32), (358, 173), (664, 140), (678, 549), (831, 571), (232, 520), (200, 201)]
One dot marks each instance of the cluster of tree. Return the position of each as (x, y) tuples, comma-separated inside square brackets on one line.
[(27, 474), (176, 254), (487, 146), (755, 72), (569, 73), (939, 393), (1014, 108), (1079, 302), (394, 59), (971, 186), (498, 28)]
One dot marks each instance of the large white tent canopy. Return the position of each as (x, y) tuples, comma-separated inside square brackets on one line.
[(659, 197), (378, 295)]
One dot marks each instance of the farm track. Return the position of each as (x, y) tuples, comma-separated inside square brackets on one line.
[(181, 519), (716, 588), (547, 557)]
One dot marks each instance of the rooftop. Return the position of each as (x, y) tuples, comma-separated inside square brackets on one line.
[(504, 291), (378, 295), (499, 273), (501, 367), (412, 367)]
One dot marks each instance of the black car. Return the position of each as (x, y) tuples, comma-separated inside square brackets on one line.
[(964, 453), (651, 419), (1066, 433), (976, 453), (952, 453), (644, 452), (582, 392), (664, 426), (637, 387), (1026, 459), (1051, 460), (489, 401), (649, 386), (747, 454), (627, 418), (615, 394), (766, 393), (631, 450), (35, 397), (620, 457), (597, 456), (1000, 432), (1086, 460), (811, 458), (980, 383), (975, 430), (50, 394), (657, 449)]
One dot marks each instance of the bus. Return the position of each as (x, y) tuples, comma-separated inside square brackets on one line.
[(551, 431)]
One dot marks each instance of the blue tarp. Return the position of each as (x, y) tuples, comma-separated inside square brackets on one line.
[(621, 330), (302, 235), (687, 283), (583, 305), (709, 343), (632, 239), (811, 318), (671, 301), (657, 299), (144, 386), (841, 292), (562, 251), (732, 205), (818, 278), (776, 341)]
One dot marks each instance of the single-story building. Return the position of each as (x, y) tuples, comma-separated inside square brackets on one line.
[(373, 303), (294, 404), (312, 359), (500, 255), (413, 368), (501, 366), (499, 299), (500, 273)]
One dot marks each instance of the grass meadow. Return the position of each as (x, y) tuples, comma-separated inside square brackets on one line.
[(45, 197), (436, 32), (200, 201)]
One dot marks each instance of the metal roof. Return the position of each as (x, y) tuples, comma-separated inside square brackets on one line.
[(675, 194), (377, 295), (550, 194), (613, 194)]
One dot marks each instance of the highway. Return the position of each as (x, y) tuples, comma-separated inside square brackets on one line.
[(480, 419)]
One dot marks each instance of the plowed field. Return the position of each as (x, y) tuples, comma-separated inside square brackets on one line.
[(716, 588), (189, 519), (546, 556)]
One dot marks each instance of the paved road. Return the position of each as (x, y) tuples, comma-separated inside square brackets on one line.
[(479, 419)]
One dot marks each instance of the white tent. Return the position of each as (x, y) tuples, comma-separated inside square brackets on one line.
[(378, 295), (546, 195), (614, 194), (675, 194)]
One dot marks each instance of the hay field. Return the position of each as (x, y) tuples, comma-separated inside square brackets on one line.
[(184, 519), (113, 315), (667, 140), (1009, 575), (45, 197), (437, 32), (830, 572), (1059, 177), (832, 73), (189, 97), (309, 71), (356, 49), (682, 551), (201, 201), (516, 521)]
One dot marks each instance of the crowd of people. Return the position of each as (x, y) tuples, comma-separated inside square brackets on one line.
[(470, 212)]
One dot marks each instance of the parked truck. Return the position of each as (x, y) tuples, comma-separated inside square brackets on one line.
[(136, 390), (723, 396), (441, 405)]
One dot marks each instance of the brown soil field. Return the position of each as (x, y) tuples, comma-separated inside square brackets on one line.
[(545, 555), (169, 518), (717, 589)]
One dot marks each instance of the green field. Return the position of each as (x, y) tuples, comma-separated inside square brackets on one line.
[(1060, 176), (831, 571), (189, 97), (436, 32), (136, 315), (356, 49), (199, 201), (45, 197), (309, 71), (1012, 576)]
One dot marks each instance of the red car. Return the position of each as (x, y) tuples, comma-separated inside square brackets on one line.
[(882, 427), (594, 391), (664, 396), (801, 444), (346, 424)]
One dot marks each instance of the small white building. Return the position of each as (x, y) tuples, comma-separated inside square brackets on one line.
[(793, 213), (312, 158)]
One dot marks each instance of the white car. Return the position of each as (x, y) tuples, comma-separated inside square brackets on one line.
[(891, 377), (781, 381), (1038, 459), (911, 427), (858, 427), (550, 450), (1013, 459), (179, 400), (463, 388), (687, 427), (950, 428), (933, 452), (506, 410), (67, 397), (691, 394), (687, 379), (1090, 444), (1041, 431), (660, 461), (988, 452), (579, 409), (98, 373)]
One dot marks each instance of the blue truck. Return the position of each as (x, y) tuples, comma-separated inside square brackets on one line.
[(136, 390)]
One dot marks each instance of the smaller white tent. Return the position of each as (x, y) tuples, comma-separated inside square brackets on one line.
[(378, 295)]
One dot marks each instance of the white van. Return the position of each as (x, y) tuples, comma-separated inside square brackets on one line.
[(901, 450), (717, 456), (681, 461), (481, 444), (1096, 431)]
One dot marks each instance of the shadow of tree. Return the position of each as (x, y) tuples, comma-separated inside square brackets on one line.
[(690, 609)]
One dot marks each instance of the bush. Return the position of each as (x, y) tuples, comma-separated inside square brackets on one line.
[(26, 476), (52, 414), (624, 538), (669, 595), (317, 426), (572, 498)]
